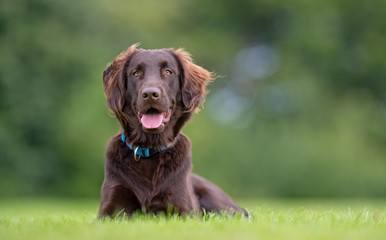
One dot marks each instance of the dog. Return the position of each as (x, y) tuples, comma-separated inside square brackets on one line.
[(153, 93)]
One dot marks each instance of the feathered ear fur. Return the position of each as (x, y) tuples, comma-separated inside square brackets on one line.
[(114, 82), (194, 80)]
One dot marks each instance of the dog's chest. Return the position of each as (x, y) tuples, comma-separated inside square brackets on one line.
[(148, 168), (152, 193), (156, 177)]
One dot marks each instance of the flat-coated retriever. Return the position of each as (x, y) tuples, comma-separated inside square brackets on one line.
[(148, 163)]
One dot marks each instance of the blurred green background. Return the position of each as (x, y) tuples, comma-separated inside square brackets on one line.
[(299, 112)]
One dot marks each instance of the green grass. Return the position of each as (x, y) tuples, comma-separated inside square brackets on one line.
[(272, 219)]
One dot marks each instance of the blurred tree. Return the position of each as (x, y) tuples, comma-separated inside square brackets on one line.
[(300, 111)]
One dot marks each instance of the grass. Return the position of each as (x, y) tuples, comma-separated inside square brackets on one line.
[(271, 219)]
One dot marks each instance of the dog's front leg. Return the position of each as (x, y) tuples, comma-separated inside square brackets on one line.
[(117, 200)]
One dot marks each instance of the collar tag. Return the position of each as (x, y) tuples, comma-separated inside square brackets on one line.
[(136, 154)]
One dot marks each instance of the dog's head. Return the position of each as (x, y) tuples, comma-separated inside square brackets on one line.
[(153, 92)]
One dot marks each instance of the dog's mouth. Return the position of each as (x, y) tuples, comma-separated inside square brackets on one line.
[(154, 119)]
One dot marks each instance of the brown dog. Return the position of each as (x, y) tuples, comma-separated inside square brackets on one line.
[(148, 166)]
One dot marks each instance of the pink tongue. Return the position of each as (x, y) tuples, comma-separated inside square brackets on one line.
[(152, 120)]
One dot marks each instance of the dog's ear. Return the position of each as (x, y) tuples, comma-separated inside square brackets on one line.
[(114, 81), (194, 81)]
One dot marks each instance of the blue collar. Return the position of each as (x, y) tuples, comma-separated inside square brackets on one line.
[(141, 152)]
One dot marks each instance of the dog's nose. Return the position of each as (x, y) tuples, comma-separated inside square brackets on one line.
[(150, 93)]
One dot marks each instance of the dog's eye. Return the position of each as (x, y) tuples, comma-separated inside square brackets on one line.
[(168, 72), (136, 74)]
